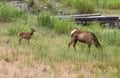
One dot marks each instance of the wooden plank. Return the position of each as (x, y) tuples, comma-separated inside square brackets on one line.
[(74, 16)]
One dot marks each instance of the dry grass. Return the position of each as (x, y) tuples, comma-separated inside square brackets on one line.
[(56, 70)]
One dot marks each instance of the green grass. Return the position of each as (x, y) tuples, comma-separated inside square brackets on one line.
[(44, 19), (81, 5), (110, 4), (10, 13), (52, 46), (61, 26), (91, 6), (49, 45)]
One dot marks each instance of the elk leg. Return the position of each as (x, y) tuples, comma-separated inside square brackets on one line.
[(20, 40), (72, 40), (89, 45), (28, 42), (75, 44)]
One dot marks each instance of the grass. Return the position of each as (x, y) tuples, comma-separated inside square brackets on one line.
[(10, 13), (44, 19), (91, 6), (48, 55), (61, 26), (110, 4), (81, 5), (49, 47)]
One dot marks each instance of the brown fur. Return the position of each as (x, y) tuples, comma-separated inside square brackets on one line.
[(86, 37), (26, 35)]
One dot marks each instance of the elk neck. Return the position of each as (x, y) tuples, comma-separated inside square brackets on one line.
[(31, 33)]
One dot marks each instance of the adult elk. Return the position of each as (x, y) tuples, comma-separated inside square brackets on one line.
[(26, 35), (86, 37)]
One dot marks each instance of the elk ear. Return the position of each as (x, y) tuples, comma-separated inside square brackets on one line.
[(76, 28), (33, 29)]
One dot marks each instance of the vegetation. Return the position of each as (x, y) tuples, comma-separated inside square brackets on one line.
[(9, 13), (48, 52), (82, 6), (61, 26)]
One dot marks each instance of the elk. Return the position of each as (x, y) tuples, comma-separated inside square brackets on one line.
[(26, 35), (86, 37)]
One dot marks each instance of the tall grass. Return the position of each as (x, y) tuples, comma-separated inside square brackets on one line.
[(60, 25), (44, 19), (113, 4), (9, 13), (68, 3), (64, 26), (91, 6), (82, 6), (109, 4), (14, 30)]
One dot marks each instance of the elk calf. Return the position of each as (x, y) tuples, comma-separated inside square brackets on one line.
[(26, 35), (86, 37)]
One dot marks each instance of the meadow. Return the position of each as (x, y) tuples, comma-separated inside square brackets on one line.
[(48, 56)]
